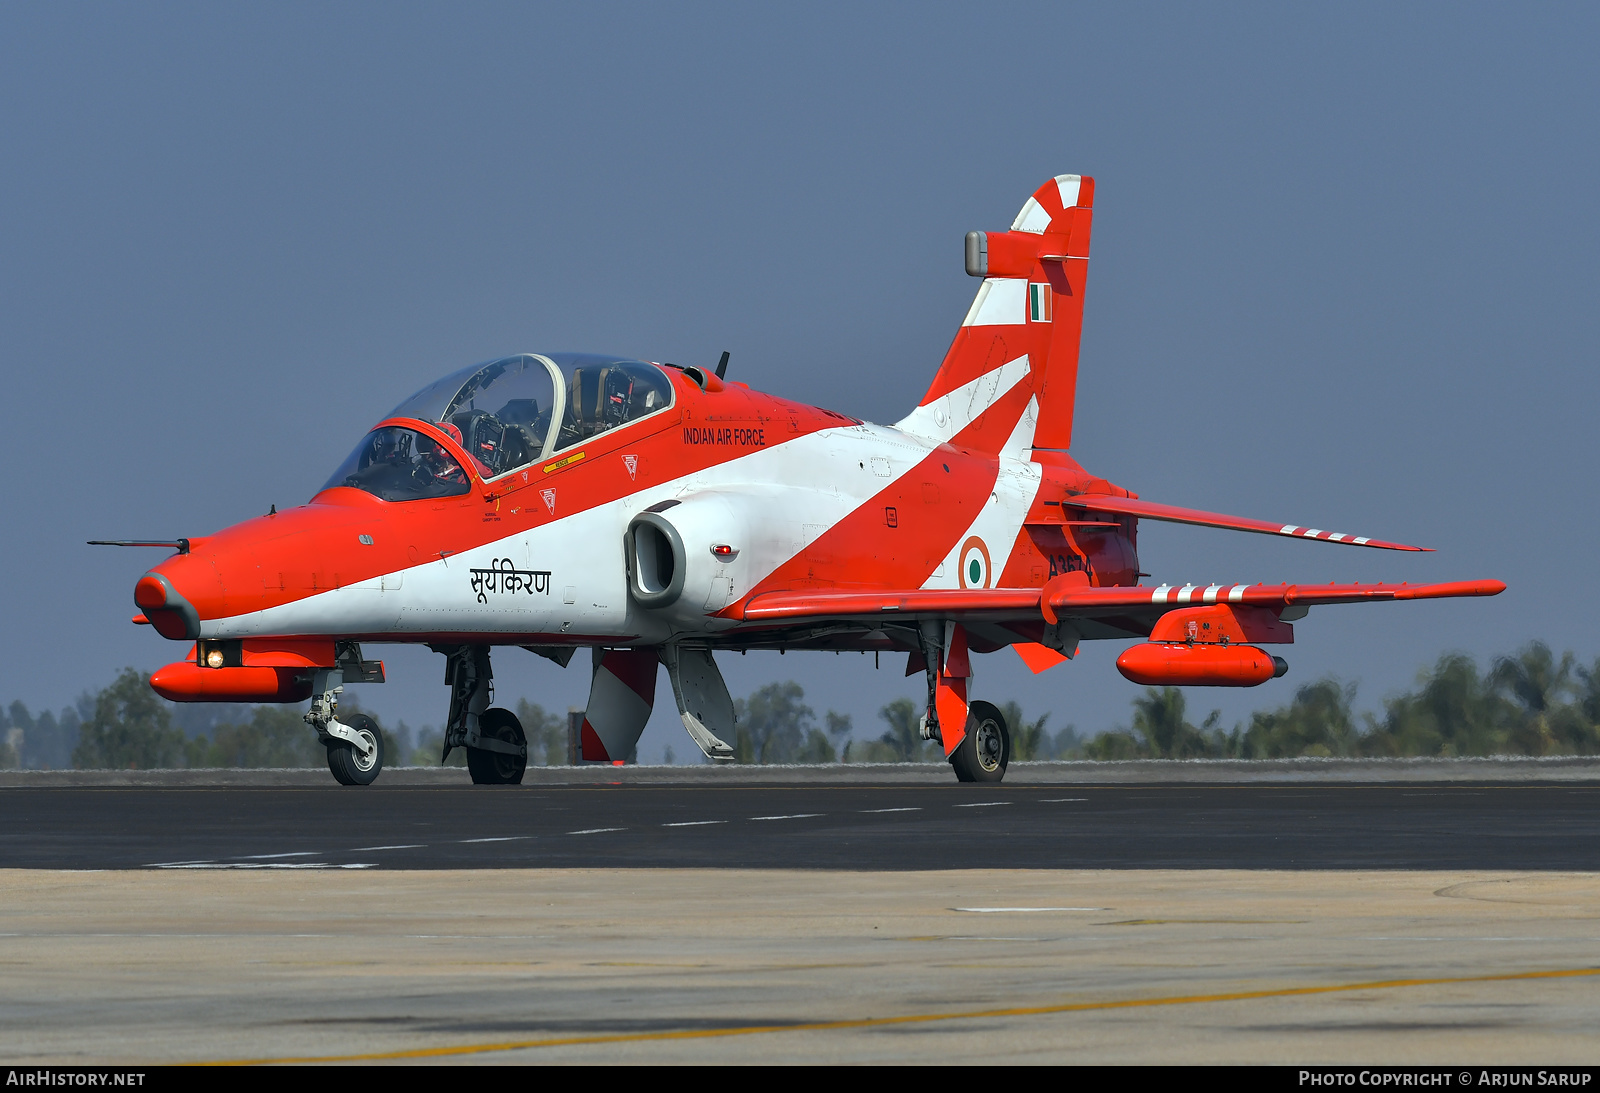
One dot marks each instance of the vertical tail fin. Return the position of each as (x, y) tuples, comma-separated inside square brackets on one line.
[(1010, 377)]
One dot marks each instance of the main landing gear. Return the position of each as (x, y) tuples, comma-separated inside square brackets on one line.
[(983, 750), (498, 768), (497, 748)]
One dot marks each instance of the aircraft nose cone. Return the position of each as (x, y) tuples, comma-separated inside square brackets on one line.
[(173, 616), (151, 591)]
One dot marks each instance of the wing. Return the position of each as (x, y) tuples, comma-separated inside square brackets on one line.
[(1062, 598), (960, 604), (1150, 510)]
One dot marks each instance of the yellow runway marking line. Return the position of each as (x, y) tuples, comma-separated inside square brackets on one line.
[(1204, 922), (906, 1019)]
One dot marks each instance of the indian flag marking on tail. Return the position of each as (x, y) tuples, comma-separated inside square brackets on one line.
[(1039, 297)]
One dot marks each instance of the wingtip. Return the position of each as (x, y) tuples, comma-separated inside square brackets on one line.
[(1450, 589), (1407, 547)]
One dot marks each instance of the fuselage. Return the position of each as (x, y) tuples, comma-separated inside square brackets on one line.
[(766, 494)]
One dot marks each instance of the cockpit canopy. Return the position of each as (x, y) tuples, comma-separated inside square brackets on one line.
[(515, 411)]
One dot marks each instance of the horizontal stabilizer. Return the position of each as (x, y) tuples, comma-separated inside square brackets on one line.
[(1150, 510)]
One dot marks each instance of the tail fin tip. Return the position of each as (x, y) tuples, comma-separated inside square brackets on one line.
[(1029, 309)]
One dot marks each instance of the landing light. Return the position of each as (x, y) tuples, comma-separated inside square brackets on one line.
[(214, 658)]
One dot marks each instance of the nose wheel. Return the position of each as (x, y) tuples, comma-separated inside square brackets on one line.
[(984, 752), (498, 768), (351, 767)]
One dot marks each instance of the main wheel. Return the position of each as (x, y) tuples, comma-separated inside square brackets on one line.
[(494, 768), (984, 752), (348, 765)]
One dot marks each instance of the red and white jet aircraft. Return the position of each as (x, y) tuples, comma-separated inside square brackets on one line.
[(656, 514)]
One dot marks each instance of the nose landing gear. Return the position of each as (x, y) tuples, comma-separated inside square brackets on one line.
[(352, 767), (355, 746)]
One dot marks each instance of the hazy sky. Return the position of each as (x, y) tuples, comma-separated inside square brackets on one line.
[(1344, 274)]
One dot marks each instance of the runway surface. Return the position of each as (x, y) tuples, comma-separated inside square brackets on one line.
[(807, 826)]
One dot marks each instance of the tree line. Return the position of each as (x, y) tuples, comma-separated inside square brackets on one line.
[(128, 726), (1527, 703)]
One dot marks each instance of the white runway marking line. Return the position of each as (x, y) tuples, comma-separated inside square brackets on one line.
[(1021, 910), (176, 864), (1059, 800), (1559, 940), (959, 937), (505, 838), (265, 857), (870, 811), (791, 816), (462, 937), (404, 846), (596, 830), (982, 804), (694, 823), (274, 865)]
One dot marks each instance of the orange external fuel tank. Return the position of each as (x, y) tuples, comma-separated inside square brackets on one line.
[(1175, 664), (185, 682)]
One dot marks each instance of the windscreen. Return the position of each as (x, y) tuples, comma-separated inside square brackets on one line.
[(399, 464)]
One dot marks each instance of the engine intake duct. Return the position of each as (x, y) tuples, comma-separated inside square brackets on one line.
[(656, 561)]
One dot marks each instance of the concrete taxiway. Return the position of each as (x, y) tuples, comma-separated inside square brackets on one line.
[(580, 965)]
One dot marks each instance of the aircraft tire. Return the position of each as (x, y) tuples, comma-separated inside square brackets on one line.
[(493, 768), (985, 751), (348, 766)]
